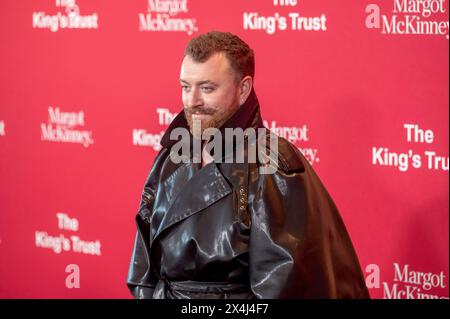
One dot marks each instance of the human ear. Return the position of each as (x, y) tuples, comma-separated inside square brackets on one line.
[(245, 87)]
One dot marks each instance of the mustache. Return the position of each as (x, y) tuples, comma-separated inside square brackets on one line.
[(199, 110)]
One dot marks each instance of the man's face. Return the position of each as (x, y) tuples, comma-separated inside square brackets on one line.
[(209, 91)]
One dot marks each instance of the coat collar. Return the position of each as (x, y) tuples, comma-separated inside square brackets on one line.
[(248, 115)]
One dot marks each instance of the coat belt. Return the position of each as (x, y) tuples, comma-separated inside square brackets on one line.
[(187, 289)]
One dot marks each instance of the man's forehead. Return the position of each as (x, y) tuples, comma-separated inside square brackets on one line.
[(215, 68)]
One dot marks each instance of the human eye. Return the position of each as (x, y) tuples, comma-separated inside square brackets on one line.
[(185, 88), (207, 89)]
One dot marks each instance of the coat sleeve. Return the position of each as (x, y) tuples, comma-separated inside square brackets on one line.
[(299, 246), (141, 279)]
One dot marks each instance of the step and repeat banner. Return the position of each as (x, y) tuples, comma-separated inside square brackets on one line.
[(88, 87)]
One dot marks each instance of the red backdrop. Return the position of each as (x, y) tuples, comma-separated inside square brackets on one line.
[(86, 89)]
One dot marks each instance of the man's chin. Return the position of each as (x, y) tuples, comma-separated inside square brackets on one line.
[(198, 130), (201, 117)]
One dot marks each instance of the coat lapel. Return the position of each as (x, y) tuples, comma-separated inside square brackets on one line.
[(206, 187)]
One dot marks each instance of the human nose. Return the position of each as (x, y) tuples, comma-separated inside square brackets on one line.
[(193, 98)]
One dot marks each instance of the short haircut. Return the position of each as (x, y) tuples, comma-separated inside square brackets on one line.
[(238, 53)]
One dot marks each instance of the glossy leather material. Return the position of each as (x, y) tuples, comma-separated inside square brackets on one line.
[(226, 231)]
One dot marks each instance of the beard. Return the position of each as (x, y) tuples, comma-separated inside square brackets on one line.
[(215, 119)]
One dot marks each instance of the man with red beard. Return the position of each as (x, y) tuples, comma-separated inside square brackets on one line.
[(216, 228)]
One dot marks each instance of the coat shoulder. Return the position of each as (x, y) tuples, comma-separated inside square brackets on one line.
[(289, 158)]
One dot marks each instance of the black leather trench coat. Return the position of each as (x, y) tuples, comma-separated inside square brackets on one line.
[(227, 231)]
